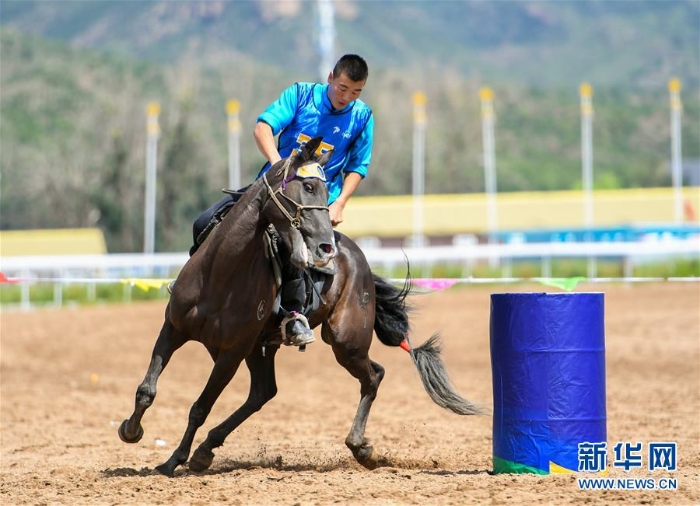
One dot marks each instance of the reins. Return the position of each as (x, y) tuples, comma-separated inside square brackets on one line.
[(295, 220)]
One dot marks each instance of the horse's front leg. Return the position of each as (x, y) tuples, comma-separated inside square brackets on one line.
[(131, 431), (224, 369), (351, 353), (263, 387)]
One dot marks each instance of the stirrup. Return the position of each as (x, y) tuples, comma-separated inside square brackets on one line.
[(300, 339)]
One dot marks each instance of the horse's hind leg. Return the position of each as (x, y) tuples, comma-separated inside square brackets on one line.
[(263, 387), (356, 441), (353, 356), (225, 367), (131, 431)]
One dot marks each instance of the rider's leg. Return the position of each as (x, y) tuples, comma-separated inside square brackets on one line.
[(296, 328)]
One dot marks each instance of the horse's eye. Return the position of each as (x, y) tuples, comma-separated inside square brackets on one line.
[(309, 187)]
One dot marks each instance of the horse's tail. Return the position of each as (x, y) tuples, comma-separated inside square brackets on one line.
[(391, 325), (391, 320)]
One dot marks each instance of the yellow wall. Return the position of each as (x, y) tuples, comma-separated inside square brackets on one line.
[(443, 215), (466, 213), (66, 241)]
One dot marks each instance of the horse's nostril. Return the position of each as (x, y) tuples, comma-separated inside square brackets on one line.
[(326, 248)]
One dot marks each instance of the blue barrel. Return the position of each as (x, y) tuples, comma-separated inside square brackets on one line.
[(548, 364)]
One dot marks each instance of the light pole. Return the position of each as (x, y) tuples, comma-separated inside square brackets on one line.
[(419, 123), (153, 130), (487, 128), (674, 88), (234, 144), (586, 93), (326, 36)]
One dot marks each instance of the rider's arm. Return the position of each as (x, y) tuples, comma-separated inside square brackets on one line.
[(355, 171), (360, 154), (266, 142), (278, 115), (350, 184)]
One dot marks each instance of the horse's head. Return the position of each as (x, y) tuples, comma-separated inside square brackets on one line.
[(298, 206)]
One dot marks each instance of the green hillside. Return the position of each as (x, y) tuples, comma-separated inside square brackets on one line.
[(72, 129), (559, 43)]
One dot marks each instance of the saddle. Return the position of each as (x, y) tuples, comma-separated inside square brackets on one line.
[(220, 214)]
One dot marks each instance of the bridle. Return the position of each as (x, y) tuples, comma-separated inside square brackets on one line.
[(295, 221)]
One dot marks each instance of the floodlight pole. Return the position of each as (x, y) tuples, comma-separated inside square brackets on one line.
[(234, 144), (326, 37), (674, 88), (488, 139), (419, 123), (586, 93), (153, 131)]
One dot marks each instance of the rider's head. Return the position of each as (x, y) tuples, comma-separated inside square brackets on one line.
[(347, 80)]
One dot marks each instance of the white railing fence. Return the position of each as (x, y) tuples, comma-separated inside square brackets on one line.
[(125, 268)]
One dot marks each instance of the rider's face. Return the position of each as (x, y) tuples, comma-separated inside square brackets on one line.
[(342, 90)]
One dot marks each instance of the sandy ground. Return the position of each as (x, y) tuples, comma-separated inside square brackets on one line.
[(69, 378)]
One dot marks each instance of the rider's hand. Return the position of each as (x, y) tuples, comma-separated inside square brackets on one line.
[(336, 212)]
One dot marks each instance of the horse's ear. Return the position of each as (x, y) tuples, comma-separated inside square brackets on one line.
[(306, 153), (325, 157)]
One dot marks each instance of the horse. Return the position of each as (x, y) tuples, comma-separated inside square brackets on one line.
[(224, 295)]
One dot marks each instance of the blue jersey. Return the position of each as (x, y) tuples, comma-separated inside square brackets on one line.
[(303, 111)]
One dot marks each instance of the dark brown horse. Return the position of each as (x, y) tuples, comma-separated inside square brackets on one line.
[(224, 295)]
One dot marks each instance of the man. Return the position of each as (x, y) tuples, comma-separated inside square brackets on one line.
[(303, 111), (333, 111)]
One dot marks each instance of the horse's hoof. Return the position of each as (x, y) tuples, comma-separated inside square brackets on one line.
[(165, 470), (127, 439), (370, 462), (201, 460), (367, 458)]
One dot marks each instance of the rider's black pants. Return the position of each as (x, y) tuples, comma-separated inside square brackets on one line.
[(293, 284)]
